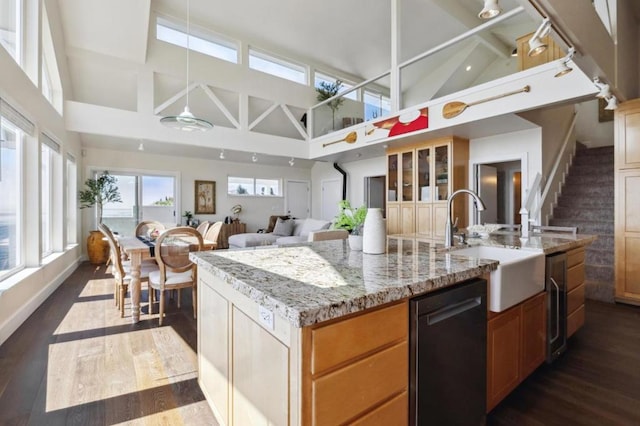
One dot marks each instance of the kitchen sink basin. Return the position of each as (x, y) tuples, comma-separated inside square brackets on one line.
[(519, 276)]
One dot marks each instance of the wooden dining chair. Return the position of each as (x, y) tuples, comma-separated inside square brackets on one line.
[(121, 270), (175, 269), (203, 227), (145, 227), (213, 233)]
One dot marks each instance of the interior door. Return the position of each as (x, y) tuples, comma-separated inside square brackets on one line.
[(487, 184), (297, 203), (331, 196)]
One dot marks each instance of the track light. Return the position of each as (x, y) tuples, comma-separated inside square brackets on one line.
[(141, 147), (605, 90), (514, 52), (536, 45), (612, 102), (222, 154), (490, 10), (563, 67), (254, 157), (292, 162)]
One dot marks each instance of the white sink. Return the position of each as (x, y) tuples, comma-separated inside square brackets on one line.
[(519, 276)]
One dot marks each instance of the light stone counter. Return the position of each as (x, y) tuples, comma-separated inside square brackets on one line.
[(311, 283)]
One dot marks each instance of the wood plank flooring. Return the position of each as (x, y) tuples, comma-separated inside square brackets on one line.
[(596, 382), (76, 362)]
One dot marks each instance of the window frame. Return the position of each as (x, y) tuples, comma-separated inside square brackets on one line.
[(254, 187)]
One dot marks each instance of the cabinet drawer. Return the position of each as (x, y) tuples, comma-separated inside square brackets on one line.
[(575, 276), (575, 257), (336, 343), (575, 298), (394, 412), (575, 320), (349, 391)]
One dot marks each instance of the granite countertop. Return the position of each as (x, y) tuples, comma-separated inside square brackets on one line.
[(312, 283)]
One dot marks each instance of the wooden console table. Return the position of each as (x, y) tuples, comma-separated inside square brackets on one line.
[(228, 229)]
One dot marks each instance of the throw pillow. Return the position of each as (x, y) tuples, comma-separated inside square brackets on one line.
[(283, 228)]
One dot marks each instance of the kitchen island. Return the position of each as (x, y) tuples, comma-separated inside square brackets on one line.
[(315, 333)]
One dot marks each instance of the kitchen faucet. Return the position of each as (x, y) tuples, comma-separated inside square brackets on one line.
[(448, 232)]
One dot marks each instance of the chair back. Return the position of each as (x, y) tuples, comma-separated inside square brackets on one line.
[(213, 233), (144, 228), (203, 227), (114, 250), (173, 247)]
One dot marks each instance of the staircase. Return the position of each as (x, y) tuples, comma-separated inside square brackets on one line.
[(587, 202)]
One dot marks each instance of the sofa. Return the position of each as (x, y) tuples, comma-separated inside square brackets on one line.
[(283, 230)]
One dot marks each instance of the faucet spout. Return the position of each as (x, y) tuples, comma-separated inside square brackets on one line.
[(448, 232)]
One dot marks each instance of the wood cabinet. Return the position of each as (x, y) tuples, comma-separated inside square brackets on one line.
[(516, 346), (229, 229), (259, 371), (420, 178), (525, 61), (575, 290), (627, 202)]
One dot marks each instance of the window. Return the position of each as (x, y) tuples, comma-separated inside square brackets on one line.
[(51, 84), (375, 105), (261, 61), (144, 197), (72, 204), (242, 186), (319, 77), (199, 41), (49, 155), (10, 30), (11, 258)]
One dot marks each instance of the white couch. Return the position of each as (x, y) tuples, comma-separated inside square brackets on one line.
[(304, 230)]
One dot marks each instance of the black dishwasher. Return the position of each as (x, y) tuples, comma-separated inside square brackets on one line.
[(448, 356)]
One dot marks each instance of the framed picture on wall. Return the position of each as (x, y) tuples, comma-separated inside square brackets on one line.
[(205, 197)]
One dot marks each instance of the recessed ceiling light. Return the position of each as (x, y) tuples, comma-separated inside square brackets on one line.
[(468, 68), (222, 154), (254, 157)]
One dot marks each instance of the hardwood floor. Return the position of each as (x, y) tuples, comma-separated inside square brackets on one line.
[(596, 382), (76, 362)]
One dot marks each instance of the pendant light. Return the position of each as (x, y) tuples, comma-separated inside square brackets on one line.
[(186, 121)]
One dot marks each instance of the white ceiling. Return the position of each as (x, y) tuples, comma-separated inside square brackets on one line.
[(350, 37)]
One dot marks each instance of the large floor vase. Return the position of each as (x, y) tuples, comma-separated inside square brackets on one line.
[(97, 248)]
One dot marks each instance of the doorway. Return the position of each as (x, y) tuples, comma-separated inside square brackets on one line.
[(330, 197), (297, 200), (499, 185), (374, 193)]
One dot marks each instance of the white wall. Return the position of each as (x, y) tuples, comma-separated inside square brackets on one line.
[(255, 210), (356, 172)]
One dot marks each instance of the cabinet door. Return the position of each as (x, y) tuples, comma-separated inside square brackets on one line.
[(407, 177), (442, 172), (627, 136), (424, 222), (503, 355), (260, 375), (439, 220), (392, 178), (534, 333), (627, 237), (393, 218), (423, 175), (407, 218)]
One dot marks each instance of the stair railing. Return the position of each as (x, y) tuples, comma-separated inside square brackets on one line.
[(556, 179)]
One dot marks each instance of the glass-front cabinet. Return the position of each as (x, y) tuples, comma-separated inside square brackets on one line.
[(428, 173)]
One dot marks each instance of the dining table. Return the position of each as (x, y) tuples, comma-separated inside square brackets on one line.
[(139, 249)]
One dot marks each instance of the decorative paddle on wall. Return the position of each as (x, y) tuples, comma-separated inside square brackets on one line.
[(352, 137), (454, 109)]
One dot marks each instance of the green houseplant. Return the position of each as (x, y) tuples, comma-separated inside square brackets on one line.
[(352, 220), (97, 192), (328, 90)]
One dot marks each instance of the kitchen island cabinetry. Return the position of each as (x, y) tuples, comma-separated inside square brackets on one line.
[(516, 346)]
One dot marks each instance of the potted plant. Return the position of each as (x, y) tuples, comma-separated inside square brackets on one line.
[(351, 219), (97, 192), (187, 214), (328, 90)]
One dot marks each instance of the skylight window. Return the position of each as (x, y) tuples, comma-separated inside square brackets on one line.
[(208, 44), (261, 61)]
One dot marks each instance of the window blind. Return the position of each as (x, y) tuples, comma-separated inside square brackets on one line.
[(11, 114), (48, 141)]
